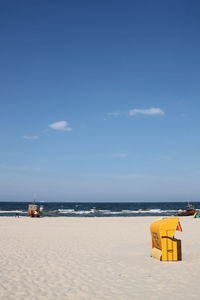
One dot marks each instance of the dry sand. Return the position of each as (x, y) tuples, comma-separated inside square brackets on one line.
[(94, 258)]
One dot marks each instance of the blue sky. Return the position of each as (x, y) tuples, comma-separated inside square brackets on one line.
[(100, 100)]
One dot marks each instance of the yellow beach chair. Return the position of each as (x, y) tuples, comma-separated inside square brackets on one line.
[(165, 246)]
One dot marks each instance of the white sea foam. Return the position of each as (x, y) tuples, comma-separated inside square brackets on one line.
[(155, 210), (109, 212), (126, 211), (72, 211), (83, 212), (65, 211)]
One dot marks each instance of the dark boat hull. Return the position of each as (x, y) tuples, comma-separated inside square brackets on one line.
[(187, 213)]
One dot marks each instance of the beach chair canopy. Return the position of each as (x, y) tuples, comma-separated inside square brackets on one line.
[(164, 228)]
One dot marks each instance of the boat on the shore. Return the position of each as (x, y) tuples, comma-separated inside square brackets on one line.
[(34, 210), (189, 211)]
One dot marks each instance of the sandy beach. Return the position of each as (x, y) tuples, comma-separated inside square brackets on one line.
[(94, 258)]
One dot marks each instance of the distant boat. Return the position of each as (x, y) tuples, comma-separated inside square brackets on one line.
[(189, 211), (34, 210)]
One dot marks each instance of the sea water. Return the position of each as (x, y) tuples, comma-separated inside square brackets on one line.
[(97, 209)]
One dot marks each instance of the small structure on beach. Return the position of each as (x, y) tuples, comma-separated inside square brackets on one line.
[(165, 246), (34, 210), (197, 214)]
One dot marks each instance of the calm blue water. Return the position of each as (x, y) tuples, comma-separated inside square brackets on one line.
[(67, 209)]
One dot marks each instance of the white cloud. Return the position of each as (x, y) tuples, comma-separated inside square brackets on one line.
[(149, 112), (61, 125), (114, 114), (31, 137)]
